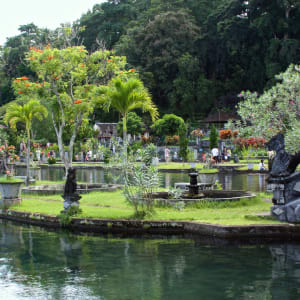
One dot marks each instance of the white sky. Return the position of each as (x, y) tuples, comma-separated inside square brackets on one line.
[(43, 13)]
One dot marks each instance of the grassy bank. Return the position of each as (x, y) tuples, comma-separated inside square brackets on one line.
[(112, 205)]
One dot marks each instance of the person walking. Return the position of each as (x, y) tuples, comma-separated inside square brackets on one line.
[(167, 153)]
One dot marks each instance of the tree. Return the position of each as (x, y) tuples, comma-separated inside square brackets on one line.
[(134, 124), (169, 124), (67, 80), (25, 114), (213, 137), (157, 45), (126, 95), (276, 110)]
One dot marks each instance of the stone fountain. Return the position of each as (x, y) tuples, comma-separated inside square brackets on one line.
[(196, 192), (193, 186)]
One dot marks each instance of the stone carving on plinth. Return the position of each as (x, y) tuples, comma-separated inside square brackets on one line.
[(71, 196), (284, 182)]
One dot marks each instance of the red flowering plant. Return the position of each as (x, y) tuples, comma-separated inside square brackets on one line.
[(7, 155), (172, 140), (147, 140), (197, 133), (225, 134), (254, 142)]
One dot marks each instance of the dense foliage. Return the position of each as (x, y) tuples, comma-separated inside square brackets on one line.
[(192, 55), (276, 110)]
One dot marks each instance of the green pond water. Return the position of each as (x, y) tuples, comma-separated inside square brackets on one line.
[(248, 182), (40, 264)]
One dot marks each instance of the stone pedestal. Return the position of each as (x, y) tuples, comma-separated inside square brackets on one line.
[(286, 197), (70, 200), (10, 192)]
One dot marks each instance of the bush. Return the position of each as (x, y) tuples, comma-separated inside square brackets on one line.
[(51, 160), (106, 155), (141, 182), (213, 138)]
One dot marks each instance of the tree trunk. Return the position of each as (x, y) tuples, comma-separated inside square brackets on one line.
[(28, 160), (125, 134)]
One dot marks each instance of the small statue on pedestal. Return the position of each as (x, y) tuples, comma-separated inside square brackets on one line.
[(71, 197)]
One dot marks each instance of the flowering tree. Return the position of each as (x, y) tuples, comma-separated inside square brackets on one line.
[(276, 110), (66, 79)]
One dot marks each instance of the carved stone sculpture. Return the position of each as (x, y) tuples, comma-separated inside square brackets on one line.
[(71, 197), (284, 182)]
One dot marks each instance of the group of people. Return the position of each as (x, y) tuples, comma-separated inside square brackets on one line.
[(219, 156), (168, 154)]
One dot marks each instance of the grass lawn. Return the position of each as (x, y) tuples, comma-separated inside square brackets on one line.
[(112, 205)]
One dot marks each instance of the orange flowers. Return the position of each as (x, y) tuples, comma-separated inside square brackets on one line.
[(132, 70), (24, 78), (20, 92), (50, 57), (77, 101), (109, 60), (36, 50), (27, 84), (17, 80), (48, 47)]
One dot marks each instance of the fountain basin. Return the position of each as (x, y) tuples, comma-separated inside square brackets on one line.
[(204, 196)]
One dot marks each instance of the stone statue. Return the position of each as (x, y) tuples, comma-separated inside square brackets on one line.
[(71, 185), (71, 197), (284, 182), (283, 163)]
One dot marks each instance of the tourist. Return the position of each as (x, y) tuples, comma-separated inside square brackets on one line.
[(261, 166), (89, 155), (167, 152), (38, 154), (215, 154), (224, 154), (271, 155), (228, 154), (175, 156)]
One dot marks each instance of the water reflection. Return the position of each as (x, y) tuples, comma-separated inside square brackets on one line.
[(249, 182), (35, 263)]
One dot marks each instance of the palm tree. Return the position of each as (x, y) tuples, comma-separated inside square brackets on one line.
[(126, 96), (16, 113)]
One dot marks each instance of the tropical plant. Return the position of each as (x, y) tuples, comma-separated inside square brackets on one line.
[(16, 113), (140, 184), (126, 95)]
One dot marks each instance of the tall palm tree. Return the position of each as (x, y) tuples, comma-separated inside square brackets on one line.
[(126, 96), (16, 113)]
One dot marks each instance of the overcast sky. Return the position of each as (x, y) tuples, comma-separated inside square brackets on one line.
[(43, 13)]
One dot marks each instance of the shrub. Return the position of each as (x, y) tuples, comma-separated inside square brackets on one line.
[(51, 160), (140, 183), (213, 137)]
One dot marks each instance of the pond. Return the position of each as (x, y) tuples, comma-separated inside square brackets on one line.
[(248, 182), (39, 264)]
